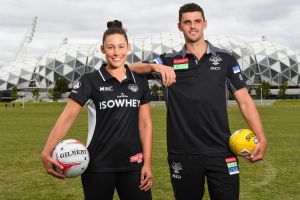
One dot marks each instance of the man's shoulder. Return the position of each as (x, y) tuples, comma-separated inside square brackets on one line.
[(172, 54), (223, 51), (214, 49)]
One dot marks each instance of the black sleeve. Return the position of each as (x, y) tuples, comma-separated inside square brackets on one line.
[(234, 76), (158, 60), (81, 91), (146, 97)]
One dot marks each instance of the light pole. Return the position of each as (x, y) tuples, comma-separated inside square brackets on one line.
[(261, 96), (23, 99)]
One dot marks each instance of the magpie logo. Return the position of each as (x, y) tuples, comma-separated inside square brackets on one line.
[(133, 87), (215, 60), (177, 168), (77, 85)]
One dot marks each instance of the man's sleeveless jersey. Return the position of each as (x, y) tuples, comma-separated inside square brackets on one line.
[(197, 120), (113, 133)]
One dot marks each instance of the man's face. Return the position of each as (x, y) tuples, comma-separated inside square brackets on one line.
[(192, 25)]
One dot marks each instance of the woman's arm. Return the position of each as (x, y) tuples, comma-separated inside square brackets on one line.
[(145, 127), (167, 73), (57, 133)]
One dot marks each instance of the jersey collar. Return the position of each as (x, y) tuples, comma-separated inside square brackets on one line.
[(210, 49), (105, 75)]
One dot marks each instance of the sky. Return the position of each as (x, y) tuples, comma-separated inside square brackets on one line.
[(84, 21)]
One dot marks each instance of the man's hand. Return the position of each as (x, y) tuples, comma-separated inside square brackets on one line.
[(259, 151)]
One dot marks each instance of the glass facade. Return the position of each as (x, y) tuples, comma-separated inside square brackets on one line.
[(259, 60)]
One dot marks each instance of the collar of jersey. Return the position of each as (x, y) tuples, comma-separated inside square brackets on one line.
[(210, 49), (106, 75)]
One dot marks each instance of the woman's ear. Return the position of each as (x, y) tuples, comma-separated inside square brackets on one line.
[(129, 47)]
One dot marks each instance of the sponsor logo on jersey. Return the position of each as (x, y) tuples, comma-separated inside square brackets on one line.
[(181, 64), (158, 60), (122, 95), (119, 103), (177, 168), (236, 69), (76, 85), (181, 61), (138, 158), (106, 89), (133, 87), (214, 68), (215, 60)]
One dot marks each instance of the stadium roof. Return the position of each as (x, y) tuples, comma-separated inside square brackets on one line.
[(259, 60)]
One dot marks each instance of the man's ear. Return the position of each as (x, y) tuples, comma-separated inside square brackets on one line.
[(102, 49), (179, 27)]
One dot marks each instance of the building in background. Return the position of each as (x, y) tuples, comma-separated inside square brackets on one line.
[(260, 61)]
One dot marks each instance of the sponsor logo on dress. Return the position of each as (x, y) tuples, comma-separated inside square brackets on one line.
[(177, 168), (106, 89), (119, 103), (133, 87), (215, 60), (138, 158), (122, 95)]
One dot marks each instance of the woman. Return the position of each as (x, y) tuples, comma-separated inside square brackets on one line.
[(120, 127)]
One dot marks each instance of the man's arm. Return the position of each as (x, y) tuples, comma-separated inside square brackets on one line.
[(249, 112), (167, 73)]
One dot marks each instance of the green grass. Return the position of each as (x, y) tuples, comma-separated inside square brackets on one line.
[(23, 133)]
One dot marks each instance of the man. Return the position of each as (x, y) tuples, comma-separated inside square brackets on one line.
[(197, 119)]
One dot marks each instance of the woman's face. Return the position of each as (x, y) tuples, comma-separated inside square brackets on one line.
[(115, 48)]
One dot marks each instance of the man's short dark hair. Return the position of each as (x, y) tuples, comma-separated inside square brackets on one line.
[(190, 7)]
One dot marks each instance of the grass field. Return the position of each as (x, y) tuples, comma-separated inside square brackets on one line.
[(23, 133)]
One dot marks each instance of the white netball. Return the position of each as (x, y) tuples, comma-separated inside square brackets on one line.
[(73, 156)]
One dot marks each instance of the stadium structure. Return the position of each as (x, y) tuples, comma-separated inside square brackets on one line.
[(260, 61)]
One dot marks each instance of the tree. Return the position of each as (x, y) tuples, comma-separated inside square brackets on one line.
[(14, 93), (60, 87), (156, 92), (36, 93), (264, 88), (1, 95), (282, 89)]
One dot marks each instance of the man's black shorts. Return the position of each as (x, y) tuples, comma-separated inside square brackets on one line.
[(188, 174)]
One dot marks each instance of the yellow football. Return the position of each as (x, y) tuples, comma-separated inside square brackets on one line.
[(242, 142)]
